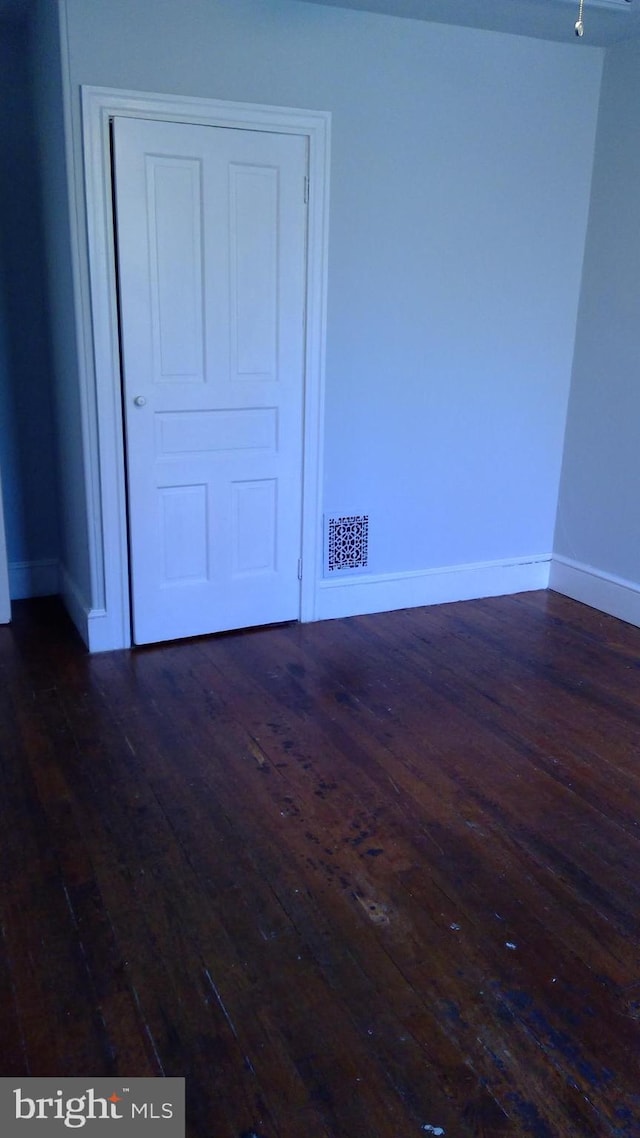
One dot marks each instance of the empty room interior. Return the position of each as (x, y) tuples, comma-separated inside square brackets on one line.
[(320, 561)]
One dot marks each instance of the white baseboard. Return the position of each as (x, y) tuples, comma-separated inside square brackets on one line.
[(34, 578), (74, 603), (50, 578), (356, 595), (100, 634), (359, 594), (92, 624), (600, 590)]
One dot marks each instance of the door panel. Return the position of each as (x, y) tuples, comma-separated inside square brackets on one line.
[(211, 236), (254, 271), (176, 267)]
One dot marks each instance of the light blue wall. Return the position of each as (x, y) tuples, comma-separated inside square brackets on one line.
[(49, 102), (599, 506), (461, 172), (27, 455)]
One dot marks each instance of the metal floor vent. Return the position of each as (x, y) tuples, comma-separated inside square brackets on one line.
[(348, 540)]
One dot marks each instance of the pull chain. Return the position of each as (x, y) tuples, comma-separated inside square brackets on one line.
[(579, 26)]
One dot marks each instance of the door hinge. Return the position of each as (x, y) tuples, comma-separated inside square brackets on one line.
[(306, 191), (299, 568)]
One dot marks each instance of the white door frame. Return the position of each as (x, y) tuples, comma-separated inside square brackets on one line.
[(99, 105)]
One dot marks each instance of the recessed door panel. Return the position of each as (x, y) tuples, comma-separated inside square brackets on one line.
[(184, 537), (176, 271), (253, 195), (190, 432), (254, 526)]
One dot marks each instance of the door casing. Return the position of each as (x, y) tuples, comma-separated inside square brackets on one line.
[(110, 623)]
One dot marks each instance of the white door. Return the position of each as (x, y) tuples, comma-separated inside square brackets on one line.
[(211, 238)]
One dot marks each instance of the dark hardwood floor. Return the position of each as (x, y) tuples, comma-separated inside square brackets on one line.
[(370, 878)]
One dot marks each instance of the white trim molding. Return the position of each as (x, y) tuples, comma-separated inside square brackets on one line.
[(109, 627), (91, 623), (75, 603), (604, 591), (34, 578), (363, 593)]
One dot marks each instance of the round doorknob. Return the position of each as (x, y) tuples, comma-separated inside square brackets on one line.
[(139, 401)]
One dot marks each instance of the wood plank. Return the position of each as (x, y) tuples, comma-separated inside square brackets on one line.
[(361, 877)]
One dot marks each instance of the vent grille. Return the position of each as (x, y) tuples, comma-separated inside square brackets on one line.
[(348, 542)]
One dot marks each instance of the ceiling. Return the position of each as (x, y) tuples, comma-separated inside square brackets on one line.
[(605, 21)]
